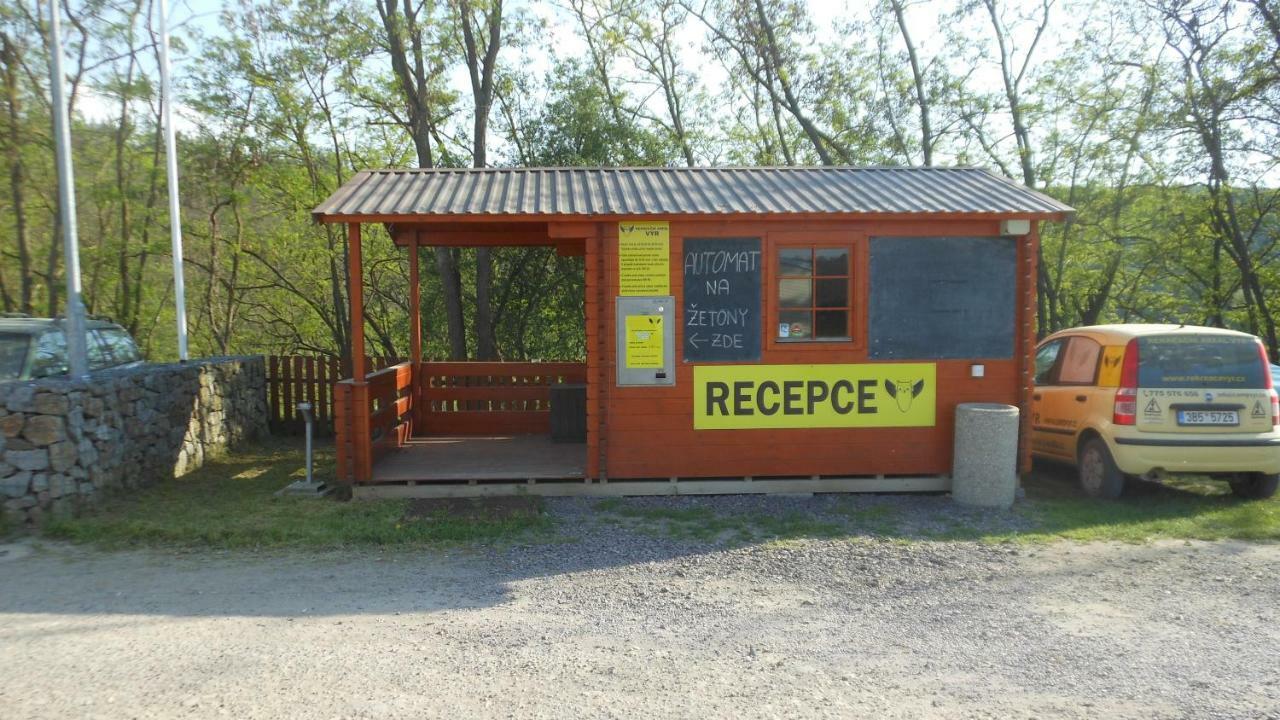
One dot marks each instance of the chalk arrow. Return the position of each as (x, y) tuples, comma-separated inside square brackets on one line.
[(694, 340)]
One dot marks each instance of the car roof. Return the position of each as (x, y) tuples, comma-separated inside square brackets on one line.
[(35, 326), (1123, 332)]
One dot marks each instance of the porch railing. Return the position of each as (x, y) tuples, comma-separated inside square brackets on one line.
[(491, 398), (456, 398), (371, 419)]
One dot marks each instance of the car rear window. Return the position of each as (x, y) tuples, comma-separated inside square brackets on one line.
[(13, 354), (1200, 361)]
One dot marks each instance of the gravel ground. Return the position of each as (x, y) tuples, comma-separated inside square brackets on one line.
[(620, 621)]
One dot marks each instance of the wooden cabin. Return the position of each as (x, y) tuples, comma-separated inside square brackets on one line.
[(748, 329)]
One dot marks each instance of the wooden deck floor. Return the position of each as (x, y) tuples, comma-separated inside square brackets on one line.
[(499, 457)]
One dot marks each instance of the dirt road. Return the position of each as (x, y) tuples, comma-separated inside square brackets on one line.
[(628, 625)]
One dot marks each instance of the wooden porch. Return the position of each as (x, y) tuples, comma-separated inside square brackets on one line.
[(454, 422), (466, 459)]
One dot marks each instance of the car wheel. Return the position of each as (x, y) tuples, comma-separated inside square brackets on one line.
[(1099, 476), (1254, 486)]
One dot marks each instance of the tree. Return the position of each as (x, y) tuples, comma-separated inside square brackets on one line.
[(417, 62), (480, 51), (1220, 78)]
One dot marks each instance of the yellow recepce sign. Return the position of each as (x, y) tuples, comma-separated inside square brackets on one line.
[(644, 341), (644, 258), (741, 397)]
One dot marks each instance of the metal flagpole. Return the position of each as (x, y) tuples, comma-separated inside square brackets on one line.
[(73, 324), (171, 165)]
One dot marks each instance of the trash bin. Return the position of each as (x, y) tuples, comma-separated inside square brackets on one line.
[(569, 412), (985, 465)]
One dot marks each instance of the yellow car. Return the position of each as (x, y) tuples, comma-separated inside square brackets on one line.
[(1119, 401)]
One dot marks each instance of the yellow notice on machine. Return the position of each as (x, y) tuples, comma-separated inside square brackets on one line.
[(644, 258), (644, 341), (740, 397)]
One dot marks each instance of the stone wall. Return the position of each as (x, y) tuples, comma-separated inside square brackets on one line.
[(63, 443)]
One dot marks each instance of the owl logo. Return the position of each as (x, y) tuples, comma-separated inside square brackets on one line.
[(904, 391)]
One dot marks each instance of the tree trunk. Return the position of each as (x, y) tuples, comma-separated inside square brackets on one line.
[(917, 81), (409, 61), (481, 62), (17, 173)]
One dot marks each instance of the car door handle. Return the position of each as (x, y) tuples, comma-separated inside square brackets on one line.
[(1035, 396), (1082, 398)]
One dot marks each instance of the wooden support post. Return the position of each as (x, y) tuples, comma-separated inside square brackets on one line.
[(591, 311), (355, 301), (361, 442), (604, 336), (1029, 251), (415, 336)]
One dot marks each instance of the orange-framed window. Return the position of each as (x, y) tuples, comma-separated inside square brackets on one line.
[(813, 293)]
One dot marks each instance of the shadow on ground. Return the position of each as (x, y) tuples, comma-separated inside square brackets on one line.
[(219, 543)]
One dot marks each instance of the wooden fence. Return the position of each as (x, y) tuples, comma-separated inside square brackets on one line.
[(292, 379)]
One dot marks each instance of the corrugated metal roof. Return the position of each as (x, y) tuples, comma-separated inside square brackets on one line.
[(680, 191)]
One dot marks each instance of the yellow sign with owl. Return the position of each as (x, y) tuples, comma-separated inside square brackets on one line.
[(739, 397)]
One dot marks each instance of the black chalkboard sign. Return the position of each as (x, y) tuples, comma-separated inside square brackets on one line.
[(722, 299), (936, 298)]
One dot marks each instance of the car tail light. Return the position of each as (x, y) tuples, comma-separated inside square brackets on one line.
[(1126, 408), (1270, 384)]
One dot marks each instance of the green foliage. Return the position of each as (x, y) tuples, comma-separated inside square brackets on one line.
[(1156, 121), (577, 128)]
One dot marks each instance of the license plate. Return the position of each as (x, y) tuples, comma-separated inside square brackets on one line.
[(1208, 417)]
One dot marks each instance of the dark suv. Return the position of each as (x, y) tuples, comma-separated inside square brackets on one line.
[(32, 348)]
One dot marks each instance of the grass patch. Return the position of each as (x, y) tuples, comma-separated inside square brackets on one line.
[(230, 503), (1179, 509), (877, 519), (1054, 509)]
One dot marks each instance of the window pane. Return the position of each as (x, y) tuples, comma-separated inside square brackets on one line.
[(13, 355), (1045, 358), (831, 324), (98, 357), (122, 348), (833, 261), (832, 293), (795, 293), (1197, 361), (795, 262), (1080, 362), (794, 324), (51, 355)]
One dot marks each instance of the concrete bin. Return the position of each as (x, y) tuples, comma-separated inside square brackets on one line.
[(985, 465)]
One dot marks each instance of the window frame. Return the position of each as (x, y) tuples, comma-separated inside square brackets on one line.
[(856, 244)]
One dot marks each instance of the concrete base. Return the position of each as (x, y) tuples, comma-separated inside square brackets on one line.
[(305, 489), (673, 486), (985, 469)]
